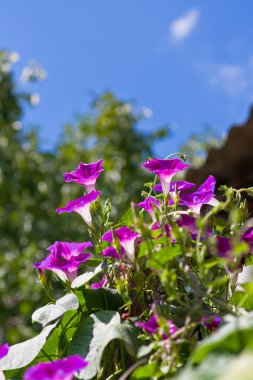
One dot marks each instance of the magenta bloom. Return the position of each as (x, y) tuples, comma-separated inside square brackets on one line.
[(204, 195), (86, 175), (99, 284), (112, 252), (81, 206), (165, 170), (4, 350), (152, 326), (179, 185), (63, 369), (149, 205), (211, 323), (65, 258), (126, 239), (248, 238)]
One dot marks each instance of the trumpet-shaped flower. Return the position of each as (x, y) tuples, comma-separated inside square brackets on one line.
[(204, 195), (65, 258), (86, 175), (63, 369), (4, 350), (126, 238), (152, 326), (175, 185), (165, 170), (81, 206), (149, 205), (112, 252)]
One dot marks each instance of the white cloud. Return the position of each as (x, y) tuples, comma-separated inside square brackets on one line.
[(183, 26), (235, 80)]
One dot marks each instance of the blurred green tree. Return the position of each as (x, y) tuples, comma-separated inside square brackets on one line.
[(32, 186)]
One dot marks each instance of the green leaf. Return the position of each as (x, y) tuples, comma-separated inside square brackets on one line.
[(162, 257), (241, 367), (210, 369), (50, 350), (49, 313), (102, 298), (233, 337), (146, 372), (86, 277), (95, 333), (125, 220), (22, 354)]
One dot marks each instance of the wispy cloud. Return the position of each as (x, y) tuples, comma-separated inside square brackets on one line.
[(182, 27), (235, 80)]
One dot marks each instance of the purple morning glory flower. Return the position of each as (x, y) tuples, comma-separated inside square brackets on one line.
[(179, 185), (248, 238), (99, 284), (223, 246), (204, 195), (112, 252), (85, 174), (4, 350), (165, 170), (152, 326), (65, 258), (81, 206), (63, 369), (211, 323), (126, 239), (149, 205)]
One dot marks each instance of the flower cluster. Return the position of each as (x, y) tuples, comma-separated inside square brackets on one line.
[(164, 276)]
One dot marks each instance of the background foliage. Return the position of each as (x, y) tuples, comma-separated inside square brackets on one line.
[(31, 187)]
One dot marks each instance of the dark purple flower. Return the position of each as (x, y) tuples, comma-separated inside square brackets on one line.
[(149, 205), (85, 174), (126, 239), (63, 369), (81, 206), (99, 284), (65, 258), (152, 326), (165, 170), (224, 246), (4, 350), (179, 185), (211, 323), (204, 195)]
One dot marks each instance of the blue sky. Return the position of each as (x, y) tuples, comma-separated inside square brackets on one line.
[(190, 62)]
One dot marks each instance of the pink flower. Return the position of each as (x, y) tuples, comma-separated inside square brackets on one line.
[(64, 259), (165, 170), (175, 185), (149, 205), (86, 175), (4, 350), (126, 239), (81, 206), (204, 195), (99, 284), (63, 369), (152, 326)]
